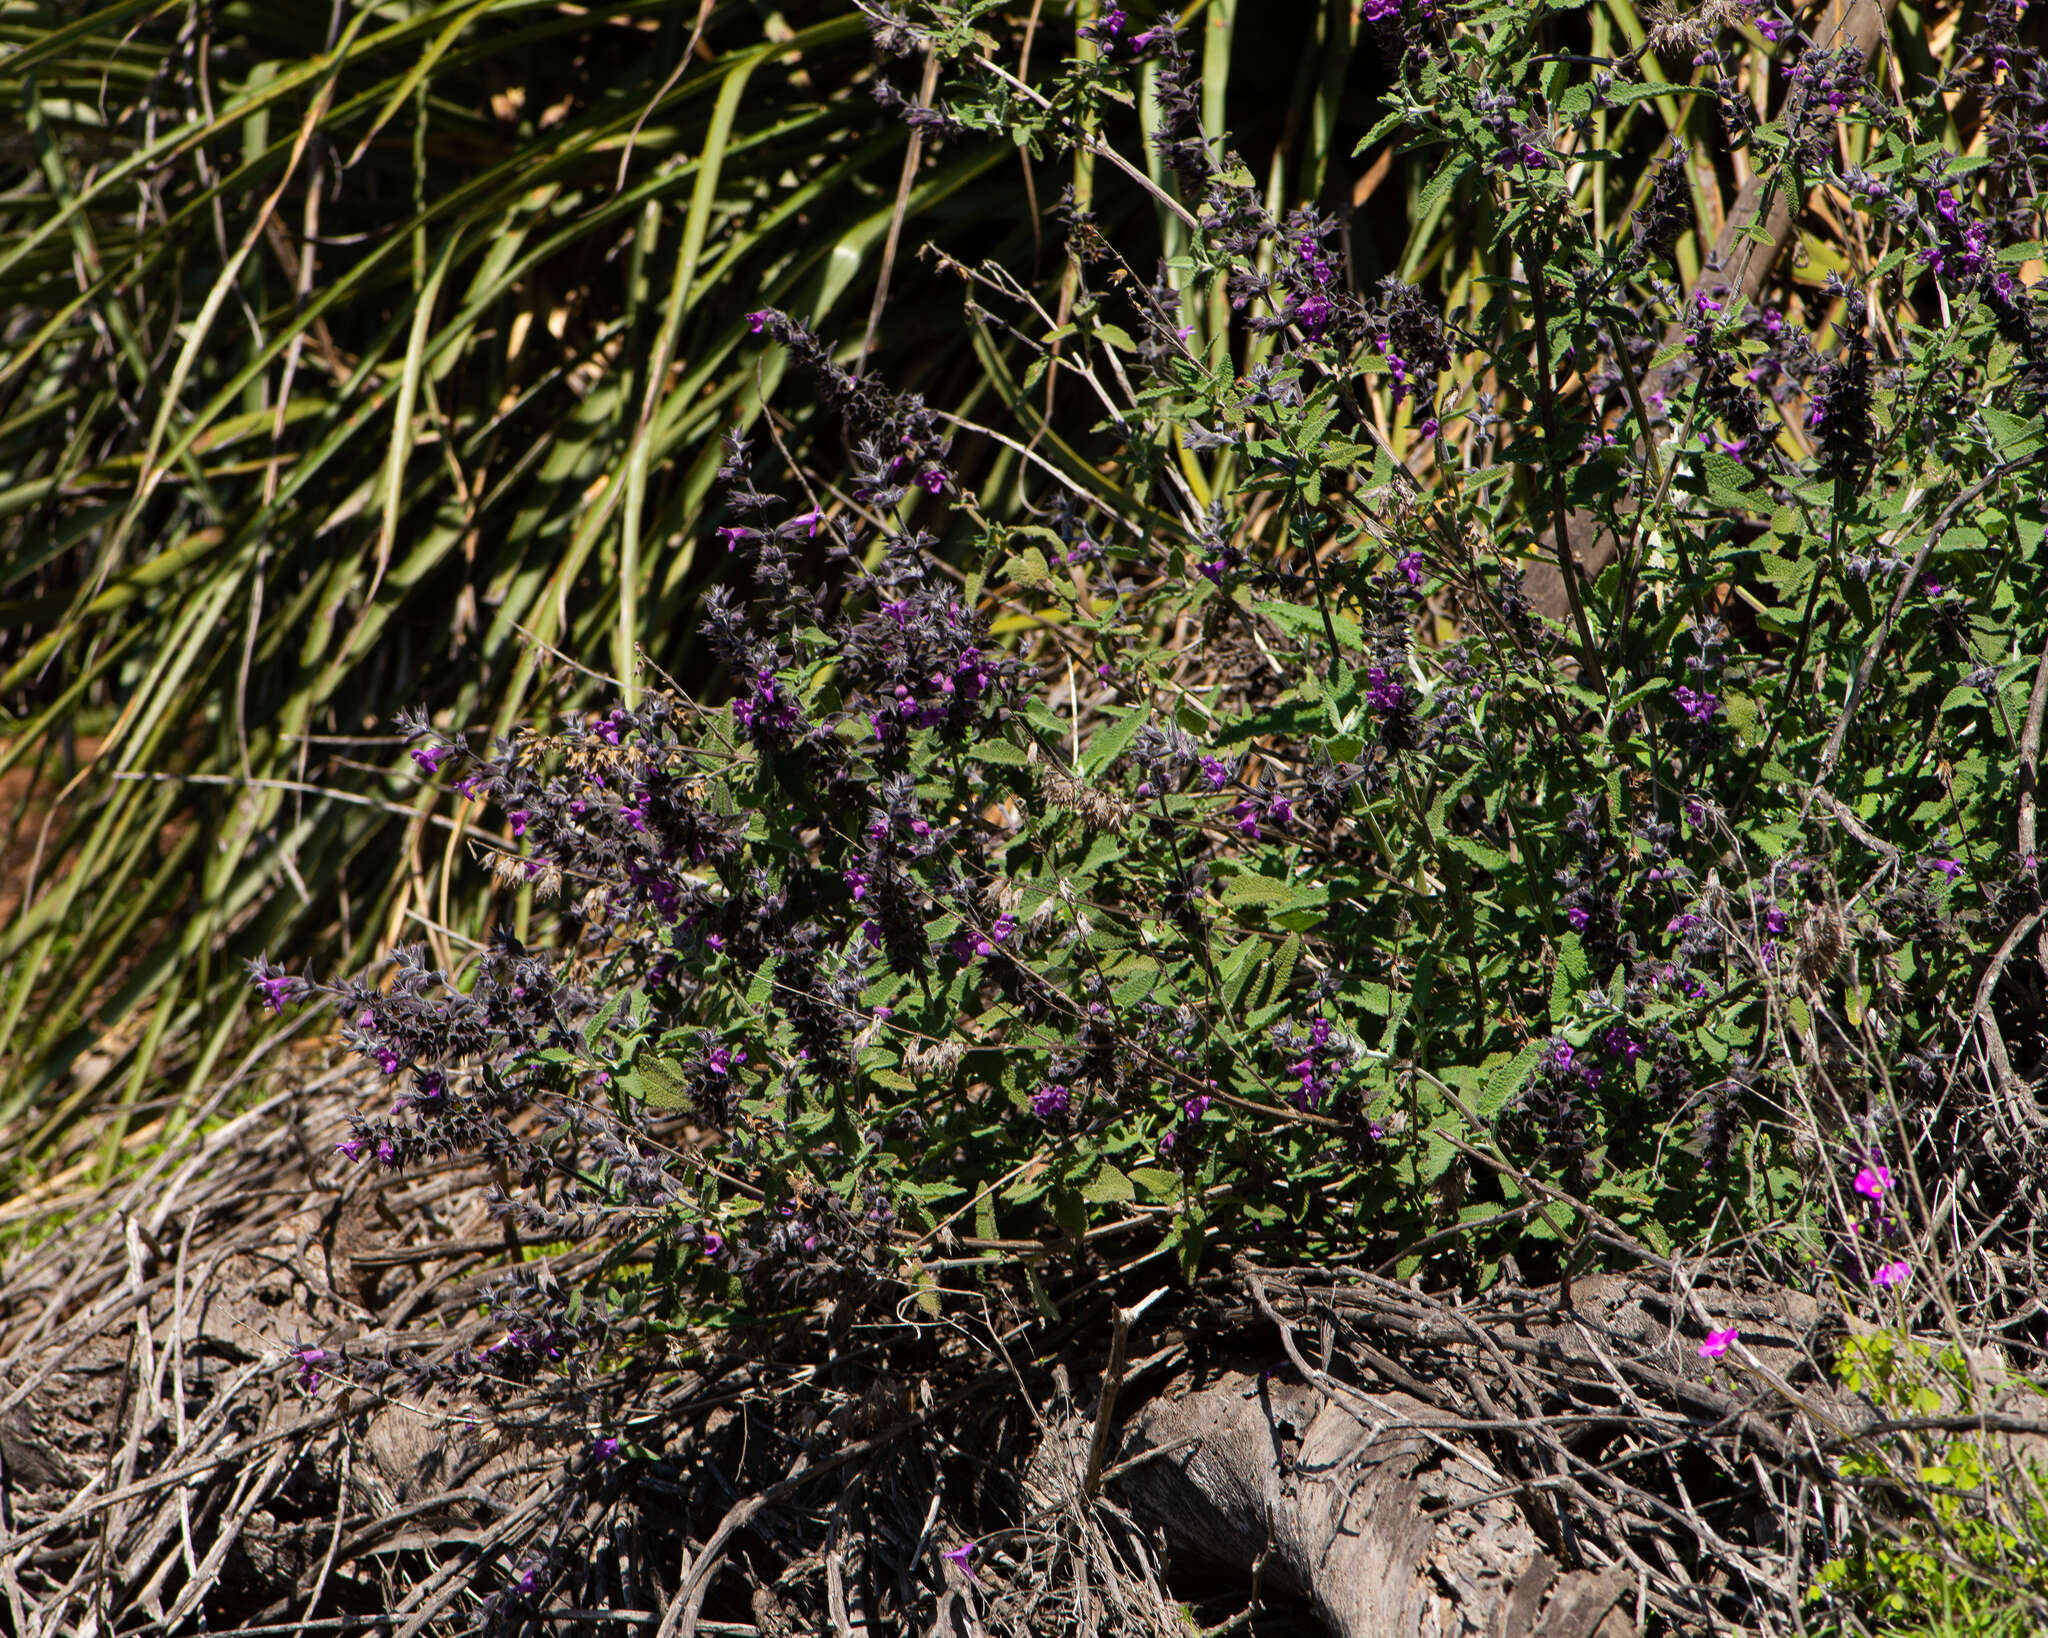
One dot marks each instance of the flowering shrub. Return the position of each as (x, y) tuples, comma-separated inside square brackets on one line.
[(1240, 856)]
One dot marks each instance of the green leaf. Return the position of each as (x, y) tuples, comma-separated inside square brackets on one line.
[(2016, 436), (1109, 1187), (1508, 1080), (1108, 742), (1157, 1182), (1268, 891), (1571, 977)]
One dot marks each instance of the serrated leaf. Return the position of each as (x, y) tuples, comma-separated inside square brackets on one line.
[(1107, 743), (1135, 982), (1487, 858), (1109, 1187), (1156, 1181), (658, 1082), (1571, 976), (2016, 436), (1508, 1080), (1270, 891), (1027, 568)]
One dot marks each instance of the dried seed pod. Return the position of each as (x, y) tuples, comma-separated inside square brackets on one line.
[(1822, 938), (1098, 809)]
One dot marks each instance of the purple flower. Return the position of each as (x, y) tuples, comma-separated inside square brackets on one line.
[(1579, 916), (732, 535), (1312, 313), (430, 757), (960, 1557), (310, 1360), (1717, 1342), (352, 1147), (277, 990), (1246, 814), (1929, 586), (1893, 1275), (517, 819), (1280, 810), (1948, 867), (1198, 1106), (1698, 707), (387, 1154), (1872, 1181), (1216, 772), (387, 1060), (932, 479), (812, 519), (1050, 1102), (1385, 694), (757, 322), (1411, 566), (857, 880), (713, 1243), (605, 1449)]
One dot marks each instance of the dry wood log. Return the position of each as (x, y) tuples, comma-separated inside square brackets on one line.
[(1349, 1501)]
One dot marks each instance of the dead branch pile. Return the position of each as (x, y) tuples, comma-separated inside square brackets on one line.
[(1289, 1451)]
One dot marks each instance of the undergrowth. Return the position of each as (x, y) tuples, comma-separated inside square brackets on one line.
[(1234, 858)]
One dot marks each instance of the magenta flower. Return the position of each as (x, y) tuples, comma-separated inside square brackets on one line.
[(1717, 1342), (1216, 772), (277, 990), (757, 322), (352, 1147), (430, 757), (310, 1360), (1411, 566), (605, 1449), (1893, 1275), (1872, 1181), (1947, 867), (960, 1558), (517, 820)]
